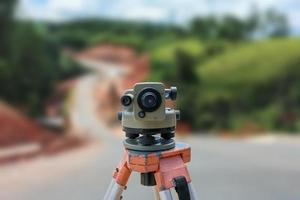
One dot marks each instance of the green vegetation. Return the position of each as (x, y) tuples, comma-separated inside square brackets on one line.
[(245, 83), (167, 52), (227, 78), (30, 62), (257, 82)]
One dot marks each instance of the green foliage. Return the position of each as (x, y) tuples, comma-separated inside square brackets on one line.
[(250, 64), (205, 27), (235, 85), (167, 52), (257, 82), (275, 23), (32, 68), (232, 28), (185, 68), (225, 80), (162, 71), (81, 33), (6, 18)]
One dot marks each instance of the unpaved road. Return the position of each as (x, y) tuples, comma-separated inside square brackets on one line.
[(221, 170)]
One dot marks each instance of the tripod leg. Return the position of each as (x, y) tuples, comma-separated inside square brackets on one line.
[(165, 195), (156, 194), (108, 191), (192, 192), (120, 179), (115, 191), (173, 173)]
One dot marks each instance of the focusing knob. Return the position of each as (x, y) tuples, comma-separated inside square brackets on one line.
[(173, 93)]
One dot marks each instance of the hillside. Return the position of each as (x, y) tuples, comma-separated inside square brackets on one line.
[(167, 52), (258, 83), (16, 128), (250, 65)]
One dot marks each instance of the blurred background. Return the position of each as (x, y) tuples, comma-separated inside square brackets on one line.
[(64, 65)]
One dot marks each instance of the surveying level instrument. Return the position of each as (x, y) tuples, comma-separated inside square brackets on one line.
[(149, 145)]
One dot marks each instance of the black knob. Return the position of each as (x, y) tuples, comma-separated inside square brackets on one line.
[(177, 112), (173, 93), (119, 116)]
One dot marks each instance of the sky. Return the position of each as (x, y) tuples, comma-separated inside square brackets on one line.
[(174, 11)]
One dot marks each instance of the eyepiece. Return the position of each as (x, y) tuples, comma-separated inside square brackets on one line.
[(126, 100)]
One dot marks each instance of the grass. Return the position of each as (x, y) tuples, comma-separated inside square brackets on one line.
[(249, 65), (166, 52)]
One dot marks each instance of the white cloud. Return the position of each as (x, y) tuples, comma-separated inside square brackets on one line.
[(149, 13), (152, 10), (55, 10)]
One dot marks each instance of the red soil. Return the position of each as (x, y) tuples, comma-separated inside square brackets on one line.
[(16, 129)]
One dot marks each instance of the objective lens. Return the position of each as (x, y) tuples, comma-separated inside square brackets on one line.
[(149, 100)]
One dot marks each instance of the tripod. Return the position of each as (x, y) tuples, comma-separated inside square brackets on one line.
[(166, 167)]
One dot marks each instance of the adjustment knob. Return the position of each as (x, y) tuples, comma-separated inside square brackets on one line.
[(173, 93), (119, 116)]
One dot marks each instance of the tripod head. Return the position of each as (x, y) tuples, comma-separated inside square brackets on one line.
[(148, 124)]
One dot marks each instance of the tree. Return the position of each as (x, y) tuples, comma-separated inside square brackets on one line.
[(185, 67), (252, 22), (204, 27), (6, 25), (232, 28), (275, 23)]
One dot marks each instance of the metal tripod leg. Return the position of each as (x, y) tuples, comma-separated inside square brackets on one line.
[(119, 181), (192, 192), (165, 195), (156, 194), (114, 191), (108, 191)]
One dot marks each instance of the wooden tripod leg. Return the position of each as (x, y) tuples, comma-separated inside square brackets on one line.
[(169, 169), (120, 178)]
